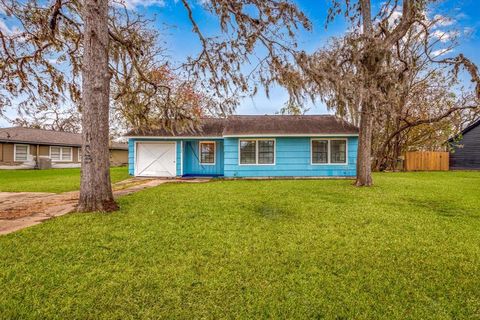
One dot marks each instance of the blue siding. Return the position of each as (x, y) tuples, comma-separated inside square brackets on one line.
[(179, 158), (292, 157), (131, 159), (292, 160), (191, 163), (131, 156)]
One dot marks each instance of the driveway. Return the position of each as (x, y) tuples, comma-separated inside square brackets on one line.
[(19, 210)]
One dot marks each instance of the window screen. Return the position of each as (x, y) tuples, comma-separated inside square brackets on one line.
[(338, 151), (67, 154), (207, 152), (55, 153), (247, 151), (61, 153), (21, 152), (266, 151), (319, 151)]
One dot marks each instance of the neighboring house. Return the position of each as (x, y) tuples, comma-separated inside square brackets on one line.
[(21, 147), (466, 151), (249, 146)]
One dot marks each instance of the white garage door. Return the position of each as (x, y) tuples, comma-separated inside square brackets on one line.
[(155, 159)]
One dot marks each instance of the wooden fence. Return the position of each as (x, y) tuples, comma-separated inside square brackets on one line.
[(426, 161)]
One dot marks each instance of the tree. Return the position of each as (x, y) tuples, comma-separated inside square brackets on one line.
[(57, 118), (358, 74), (421, 103), (77, 33), (95, 189), (44, 55), (291, 107)]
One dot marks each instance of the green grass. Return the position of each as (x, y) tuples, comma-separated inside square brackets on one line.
[(408, 248), (52, 180)]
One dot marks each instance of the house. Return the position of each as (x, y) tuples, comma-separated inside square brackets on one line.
[(249, 146), (21, 147), (466, 151)]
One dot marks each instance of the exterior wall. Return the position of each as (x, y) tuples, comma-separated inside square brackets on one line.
[(7, 157), (292, 159), (191, 163), (7, 150), (33, 150), (75, 155), (466, 154), (118, 157), (44, 151), (131, 154), (8, 153)]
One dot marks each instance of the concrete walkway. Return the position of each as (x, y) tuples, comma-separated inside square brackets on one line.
[(20, 210)]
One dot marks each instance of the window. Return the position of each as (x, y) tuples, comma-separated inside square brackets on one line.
[(329, 151), (266, 152), (55, 153), (79, 154), (207, 152), (338, 150), (247, 151), (319, 151), (67, 154), (257, 151), (61, 153), (21, 152)]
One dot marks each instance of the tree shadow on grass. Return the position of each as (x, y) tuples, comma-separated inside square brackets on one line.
[(271, 211), (445, 208)]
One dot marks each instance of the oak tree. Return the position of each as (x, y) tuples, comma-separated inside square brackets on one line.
[(359, 73), (71, 49)]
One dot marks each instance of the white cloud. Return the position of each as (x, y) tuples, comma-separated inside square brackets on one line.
[(53, 61), (132, 4), (394, 18), (468, 31), (443, 21), (440, 52), (4, 28), (445, 36)]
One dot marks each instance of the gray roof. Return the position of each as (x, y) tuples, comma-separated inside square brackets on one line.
[(249, 125), (47, 137), (208, 127)]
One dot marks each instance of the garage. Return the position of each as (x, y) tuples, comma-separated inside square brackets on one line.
[(155, 159)]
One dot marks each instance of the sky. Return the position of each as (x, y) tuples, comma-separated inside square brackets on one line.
[(180, 42)]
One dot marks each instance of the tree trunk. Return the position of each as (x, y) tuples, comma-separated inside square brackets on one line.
[(95, 187), (364, 156)]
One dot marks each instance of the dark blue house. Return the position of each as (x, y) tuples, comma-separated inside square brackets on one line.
[(465, 153), (249, 146)]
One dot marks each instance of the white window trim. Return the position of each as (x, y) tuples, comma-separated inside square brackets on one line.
[(61, 154), (181, 156), (214, 153), (256, 152), (79, 154), (329, 163), (15, 152), (302, 135)]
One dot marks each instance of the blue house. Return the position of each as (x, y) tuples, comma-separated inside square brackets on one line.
[(248, 146)]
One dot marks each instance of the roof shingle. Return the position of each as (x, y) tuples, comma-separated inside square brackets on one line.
[(47, 137), (248, 125)]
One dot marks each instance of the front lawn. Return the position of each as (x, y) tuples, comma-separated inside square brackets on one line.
[(51, 180), (408, 248)]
